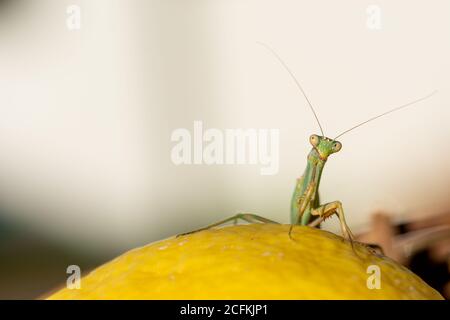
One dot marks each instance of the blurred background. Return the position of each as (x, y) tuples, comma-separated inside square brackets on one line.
[(92, 90)]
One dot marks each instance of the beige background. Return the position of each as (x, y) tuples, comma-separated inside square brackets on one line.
[(86, 116)]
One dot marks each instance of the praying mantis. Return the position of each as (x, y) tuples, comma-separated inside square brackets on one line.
[(306, 209)]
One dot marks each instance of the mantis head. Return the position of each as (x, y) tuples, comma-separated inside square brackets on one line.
[(324, 146)]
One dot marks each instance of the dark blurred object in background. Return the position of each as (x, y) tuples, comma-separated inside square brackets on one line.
[(32, 265), (423, 246)]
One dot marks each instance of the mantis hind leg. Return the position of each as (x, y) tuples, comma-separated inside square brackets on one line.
[(248, 217)]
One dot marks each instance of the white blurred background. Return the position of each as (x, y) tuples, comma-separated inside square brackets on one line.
[(86, 115)]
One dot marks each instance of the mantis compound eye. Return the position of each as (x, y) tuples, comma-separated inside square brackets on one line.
[(314, 139), (337, 146)]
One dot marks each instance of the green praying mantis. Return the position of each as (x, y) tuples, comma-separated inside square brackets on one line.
[(306, 209)]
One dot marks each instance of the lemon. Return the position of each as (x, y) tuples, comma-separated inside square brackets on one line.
[(256, 261)]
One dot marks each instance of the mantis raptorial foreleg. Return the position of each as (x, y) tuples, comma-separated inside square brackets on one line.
[(327, 210), (335, 207), (248, 217)]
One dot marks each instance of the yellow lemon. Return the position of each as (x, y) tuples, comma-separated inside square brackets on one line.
[(256, 261)]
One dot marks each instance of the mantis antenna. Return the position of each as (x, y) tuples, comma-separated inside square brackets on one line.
[(296, 82), (385, 113), (312, 108)]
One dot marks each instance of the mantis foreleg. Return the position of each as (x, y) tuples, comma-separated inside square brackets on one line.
[(327, 210)]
